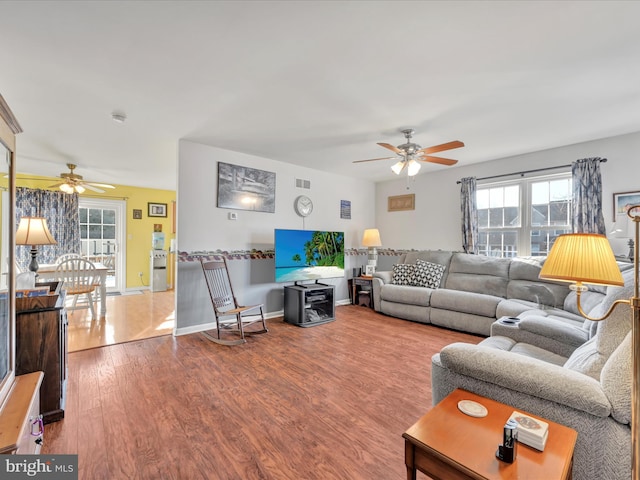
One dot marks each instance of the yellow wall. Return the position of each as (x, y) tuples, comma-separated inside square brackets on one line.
[(139, 232)]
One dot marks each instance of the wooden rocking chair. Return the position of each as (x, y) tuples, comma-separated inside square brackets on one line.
[(229, 315)]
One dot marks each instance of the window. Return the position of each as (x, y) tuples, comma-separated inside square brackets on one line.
[(523, 217)]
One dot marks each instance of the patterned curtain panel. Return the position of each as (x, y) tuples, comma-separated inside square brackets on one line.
[(469, 210), (61, 211), (587, 196)]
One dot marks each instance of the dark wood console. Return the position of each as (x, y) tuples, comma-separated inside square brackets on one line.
[(41, 345)]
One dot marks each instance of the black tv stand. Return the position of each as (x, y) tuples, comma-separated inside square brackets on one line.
[(302, 285), (309, 305)]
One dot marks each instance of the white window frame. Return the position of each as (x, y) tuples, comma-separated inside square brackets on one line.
[(120, 206), (525, 229)]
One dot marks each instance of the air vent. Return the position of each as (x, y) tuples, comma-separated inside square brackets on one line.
[(300, 183)]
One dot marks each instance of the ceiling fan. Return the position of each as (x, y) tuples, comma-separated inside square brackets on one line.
[(75, 183), (409, 154)]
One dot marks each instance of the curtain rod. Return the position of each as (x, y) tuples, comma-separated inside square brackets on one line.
[(524, 172)]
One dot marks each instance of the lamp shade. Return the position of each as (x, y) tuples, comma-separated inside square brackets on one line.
[(34, 231), (413, 168), (582, 258), (371, 238), (398, 167)]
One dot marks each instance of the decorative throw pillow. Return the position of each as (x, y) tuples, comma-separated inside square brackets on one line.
[(428, 274), (403, 274)]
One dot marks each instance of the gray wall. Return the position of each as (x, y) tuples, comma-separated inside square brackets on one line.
[(435, 223), (204, 227)]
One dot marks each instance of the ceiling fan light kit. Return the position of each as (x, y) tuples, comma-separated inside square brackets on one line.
[(75, 183), (413, 168), (410, 154)]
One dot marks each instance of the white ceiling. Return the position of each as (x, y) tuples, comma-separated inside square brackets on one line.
[(315, 83)]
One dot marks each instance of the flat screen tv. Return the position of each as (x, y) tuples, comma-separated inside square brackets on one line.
[(303, 255)]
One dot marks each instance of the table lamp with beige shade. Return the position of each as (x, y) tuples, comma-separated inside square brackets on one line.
[(34, 231), (371, 240), (584, 258)]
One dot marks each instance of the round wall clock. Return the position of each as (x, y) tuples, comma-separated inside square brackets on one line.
[(303, 206)]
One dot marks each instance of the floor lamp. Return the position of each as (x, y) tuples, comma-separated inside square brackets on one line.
[(582, 258), (34, 231)]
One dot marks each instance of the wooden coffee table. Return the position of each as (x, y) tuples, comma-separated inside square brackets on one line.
[(447, 444)]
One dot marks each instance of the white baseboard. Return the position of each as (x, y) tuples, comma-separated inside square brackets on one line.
[(203, 327)]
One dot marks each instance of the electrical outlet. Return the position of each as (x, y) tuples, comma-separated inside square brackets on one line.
[(140, 274)]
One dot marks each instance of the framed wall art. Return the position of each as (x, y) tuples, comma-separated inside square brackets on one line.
[(244, 188), (137, 214), (399, 203), (157, 209), (622, 201), (345, 209)]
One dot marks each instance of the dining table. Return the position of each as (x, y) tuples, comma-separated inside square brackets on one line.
[(47, 272)]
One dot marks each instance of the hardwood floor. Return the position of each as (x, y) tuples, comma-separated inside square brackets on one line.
[(129, 317), (326, 402)]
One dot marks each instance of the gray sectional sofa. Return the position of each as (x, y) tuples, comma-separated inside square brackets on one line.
[(590, 391), (551, 362), (474, 291)]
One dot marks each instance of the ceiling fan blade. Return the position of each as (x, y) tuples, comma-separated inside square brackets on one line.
[(390, 147), (442, 147), (100, 185), (373, 159), (56, 185), (440, 160), (92, 187)]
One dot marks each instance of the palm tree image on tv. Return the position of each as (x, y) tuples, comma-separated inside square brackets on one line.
[(308, 255)]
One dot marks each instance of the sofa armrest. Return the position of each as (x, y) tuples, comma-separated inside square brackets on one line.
[(526, 375), (378, 280), (384, 277), (553, 335)]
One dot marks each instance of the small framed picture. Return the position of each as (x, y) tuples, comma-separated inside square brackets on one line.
[(137, 214), (623, 201), (369, 270), (157, 210), (398, 203)]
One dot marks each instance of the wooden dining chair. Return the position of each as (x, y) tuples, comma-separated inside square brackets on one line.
[(79, 278), (230, 316)]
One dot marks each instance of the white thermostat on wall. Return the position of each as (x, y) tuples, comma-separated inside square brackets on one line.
[(303, 206)]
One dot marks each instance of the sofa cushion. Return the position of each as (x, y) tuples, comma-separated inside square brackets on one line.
[(441, 257), (427, 274), (403, 274), (590, 357), (479, 274), (467, 302), (406, 294), (510, 345), (588, 301), (616, 381), (525, 284)]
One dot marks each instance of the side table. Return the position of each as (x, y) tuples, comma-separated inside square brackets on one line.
[(361, 293), (446, 444)]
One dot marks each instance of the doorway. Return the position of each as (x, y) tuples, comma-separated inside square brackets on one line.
[(102, 234)]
